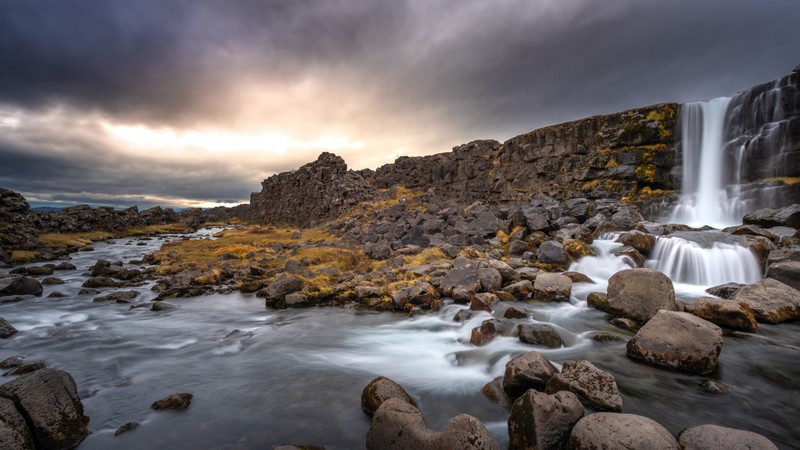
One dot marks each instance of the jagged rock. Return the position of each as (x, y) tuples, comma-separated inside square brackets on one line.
[(283, 285), (461, 278), (119, 297), (725, 313), (640, 293), (620, 431), (543, 422), (552, 252), (484, 333), (626, 217), (493, 390), (487, 224), (483, 301), (367, 291), (490, 279), (678, 340), (715, 437), (462, 316), (783, 217), (642, 242), (48, 399), (6, 329), (552, 287), (379, 390), (787, 272), (527, 371), (633, 256), (539, 334), (726, 291), (421, 293), (174, 402), (380, 250), (771, 301), (593, 386), (20, 286), (399, 425), (14, 433), (520, 289)]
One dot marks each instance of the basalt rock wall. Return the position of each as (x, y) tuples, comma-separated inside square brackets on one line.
[(607, 156)]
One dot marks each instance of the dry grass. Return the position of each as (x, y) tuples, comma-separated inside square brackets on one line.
[(427, 256), (22, 256), (73, 240), (149, 230)]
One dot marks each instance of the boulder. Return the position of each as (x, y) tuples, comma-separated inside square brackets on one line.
[(726, 291), (14, 433), (642, 242), (283, 285), (65, 266), (715, 437), (462, 277), (514, 313), (527, 371), (294, 300), (620, 431), (20, 286), (52, 281), (378, 391), (491, 280), (552, 252), (419, 294), (101, 281), (578, 277), (725, 313), (552, 287), (162, 306), (174, 402), (539, 334), (626, 217), (27, 367), (632, 255), (508, 273), (48, 399), (40, 270), (787, 272), (639, 294), (543, 422), (783, 217), (520, 289), (399, 425), (484, 333), (678, 340), (6, 329), (493, 390), (770, 300), (483, 301), (593, 386)]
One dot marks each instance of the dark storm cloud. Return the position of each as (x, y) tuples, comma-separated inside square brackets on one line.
[(426, 75)]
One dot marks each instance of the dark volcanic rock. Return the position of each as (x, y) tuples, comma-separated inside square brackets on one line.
[(787, 272), (527, 371), (593, 386), (539, 334), (640, 293), (174, 402), (14, 433), (6, 329), (725, 313), (48, 399), (771, 301), (20, 286), (119, 297), (379, 390), (543, 421), (620, 431), (283, 285), (784, 217), (726, 291), (678, 340)]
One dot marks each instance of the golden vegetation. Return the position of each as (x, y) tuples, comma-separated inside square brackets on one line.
[(22, 256), (73, 240), (150, 230)]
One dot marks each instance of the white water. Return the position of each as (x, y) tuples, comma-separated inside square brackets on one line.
[(706, 199), (688, 262)]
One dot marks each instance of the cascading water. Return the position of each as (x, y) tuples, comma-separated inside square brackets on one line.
[(704, 259)]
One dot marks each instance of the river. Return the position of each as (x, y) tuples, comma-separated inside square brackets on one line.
[(267, 377)]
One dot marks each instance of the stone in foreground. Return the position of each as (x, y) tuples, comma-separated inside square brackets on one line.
[(725, 313), (714, 437), (14, 431), (379, 390), (398, 425), (543, 421), (620, 431), (678, 340), (639, 294), (771, 300), (48, 399), (593, 386), (552, 287), (787, 272), (527, 371)]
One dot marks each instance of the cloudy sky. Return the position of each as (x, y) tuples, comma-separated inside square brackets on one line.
[(194, 102)]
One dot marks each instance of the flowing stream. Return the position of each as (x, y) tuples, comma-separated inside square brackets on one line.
[(267, 377)]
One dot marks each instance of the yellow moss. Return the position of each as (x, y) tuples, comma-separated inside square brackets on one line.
[(149, 230), (240, 250), (73, 240), (427, 256), (785, 180), (646, 173), (20, 256), (611, 164)]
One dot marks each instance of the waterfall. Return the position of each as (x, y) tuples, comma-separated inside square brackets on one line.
[(704, 259), (709, 196)]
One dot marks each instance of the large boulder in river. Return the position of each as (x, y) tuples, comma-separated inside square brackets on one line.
[(539, 334), (593, 386), (787, 272), (771, 300), (642, 242), (48, 399), (14, 432), (620, 431), (378, 391), (6, 329), (639, 294), (552, 287), (725, 313), (463, 277), (20, 286), (552, 252), (715, 437), (543, 421), (283, 285), (678, 340), (527, 371), (784, 217), (399, 425)]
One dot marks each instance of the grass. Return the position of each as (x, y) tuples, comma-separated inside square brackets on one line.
[(22, 256), (791, 181), (150, 230), (427, 256), (73, 240)]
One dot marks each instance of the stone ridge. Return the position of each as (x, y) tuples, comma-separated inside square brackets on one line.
[(606, 156), (315, 193)]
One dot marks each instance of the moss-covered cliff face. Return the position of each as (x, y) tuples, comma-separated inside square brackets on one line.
[(609, 156)]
